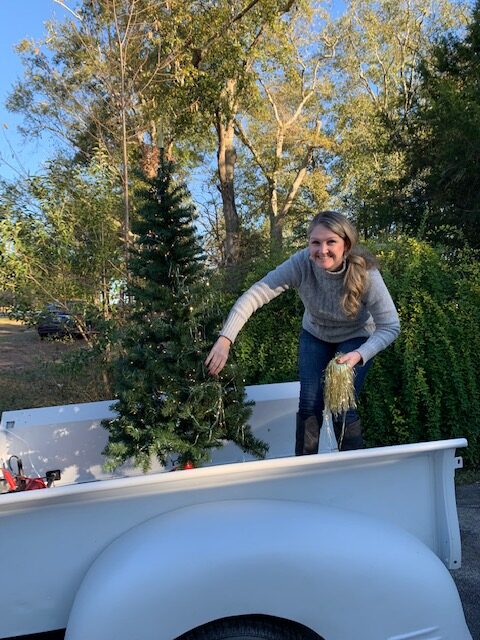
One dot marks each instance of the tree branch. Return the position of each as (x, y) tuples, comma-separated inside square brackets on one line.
[(240, 132), (272, 102), (62, 4), (299, 178)]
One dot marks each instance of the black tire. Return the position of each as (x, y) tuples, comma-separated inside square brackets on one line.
[(251, 628)]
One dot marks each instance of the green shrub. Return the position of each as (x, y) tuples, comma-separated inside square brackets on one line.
[(426, 386)]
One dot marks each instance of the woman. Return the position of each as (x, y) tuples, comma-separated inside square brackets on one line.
[(348, 310)]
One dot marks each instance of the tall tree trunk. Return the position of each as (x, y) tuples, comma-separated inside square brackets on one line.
[(276, 236), (126, 195), (227, 157), (276, 225), (275, 222), (122, 40)]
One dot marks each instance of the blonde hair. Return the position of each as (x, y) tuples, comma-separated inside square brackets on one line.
[(357, 259)]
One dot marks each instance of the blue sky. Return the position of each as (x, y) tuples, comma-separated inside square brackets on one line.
[(19, 19)]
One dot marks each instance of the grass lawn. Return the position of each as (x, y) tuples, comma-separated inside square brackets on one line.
[(41, 373)]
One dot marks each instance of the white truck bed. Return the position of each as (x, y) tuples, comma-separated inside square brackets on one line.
[(52, 538)]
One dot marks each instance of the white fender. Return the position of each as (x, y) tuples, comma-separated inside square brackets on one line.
[(344, 575)]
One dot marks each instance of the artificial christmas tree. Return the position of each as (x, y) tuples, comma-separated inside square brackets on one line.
[(168, 406)]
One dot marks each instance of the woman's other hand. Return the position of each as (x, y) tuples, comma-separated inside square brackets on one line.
[(218, 356), (351, 358)]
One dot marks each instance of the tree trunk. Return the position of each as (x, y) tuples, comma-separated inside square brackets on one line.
[(226, 170), (276, 235), (227, 157), (276, 225)]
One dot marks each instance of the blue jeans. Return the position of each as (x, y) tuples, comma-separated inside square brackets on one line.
[(314, 356)]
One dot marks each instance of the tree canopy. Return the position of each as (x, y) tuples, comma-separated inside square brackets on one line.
[(443, 150)]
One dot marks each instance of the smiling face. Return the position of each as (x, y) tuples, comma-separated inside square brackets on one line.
[(326, 248)]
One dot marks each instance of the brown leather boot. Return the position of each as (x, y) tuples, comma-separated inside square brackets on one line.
[(307, 435), (352, 437)]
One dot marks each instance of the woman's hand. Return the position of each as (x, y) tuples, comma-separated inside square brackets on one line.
[(351, 358), (218, 356)]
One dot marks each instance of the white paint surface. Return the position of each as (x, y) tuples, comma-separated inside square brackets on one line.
[(303, 538), (71, 437)]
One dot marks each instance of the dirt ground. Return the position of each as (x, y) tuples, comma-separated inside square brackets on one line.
[(21, 347), (33, 372)]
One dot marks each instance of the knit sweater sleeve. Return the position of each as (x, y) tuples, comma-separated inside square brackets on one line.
[(286, 275), (379, 303)]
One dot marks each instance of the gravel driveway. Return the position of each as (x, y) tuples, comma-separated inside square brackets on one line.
[(467, 578)]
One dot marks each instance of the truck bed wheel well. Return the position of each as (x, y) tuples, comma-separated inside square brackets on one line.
[(251, 627)]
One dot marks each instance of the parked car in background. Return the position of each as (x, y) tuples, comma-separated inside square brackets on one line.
[(56, 321)]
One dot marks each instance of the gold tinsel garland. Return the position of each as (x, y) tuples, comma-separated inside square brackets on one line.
[(339, 392)]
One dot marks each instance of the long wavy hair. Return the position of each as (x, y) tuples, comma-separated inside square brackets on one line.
[(357, 259)]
